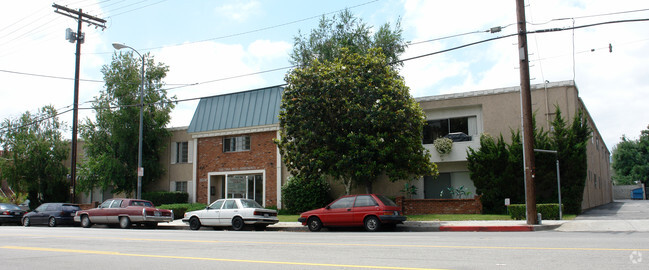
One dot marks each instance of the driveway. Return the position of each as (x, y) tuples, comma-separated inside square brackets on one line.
[(618, 216), (618, 210)]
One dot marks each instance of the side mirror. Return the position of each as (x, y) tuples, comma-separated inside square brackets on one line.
[(328, 207)]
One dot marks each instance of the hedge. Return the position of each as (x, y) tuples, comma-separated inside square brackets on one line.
[(301, 194), (548, 211), (165, 197), (181, 208)]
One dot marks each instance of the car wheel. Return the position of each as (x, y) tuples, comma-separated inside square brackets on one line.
[(51, 222), (27, 222), (372, 224), (237, 223), (194, 223), (124, 222), (85, 221), (314, 224), (260, 227)]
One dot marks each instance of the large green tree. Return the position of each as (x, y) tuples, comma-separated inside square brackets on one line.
[(352, 119), (33, 156), (631, 160), (111, 141), (346, 31), (497, 167)]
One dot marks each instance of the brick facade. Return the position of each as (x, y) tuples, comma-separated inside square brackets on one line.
[(440, 206), (261, 156)]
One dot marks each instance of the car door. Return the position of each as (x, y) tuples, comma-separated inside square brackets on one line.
[(364, 205), (112, 213), (210, 216), (38, 217), (98, 215), (228, 211), (339, 213), (53, 210)]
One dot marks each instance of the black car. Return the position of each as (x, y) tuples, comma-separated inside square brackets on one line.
[(10, 213), (52, 214)]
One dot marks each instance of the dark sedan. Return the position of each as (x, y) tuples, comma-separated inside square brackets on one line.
[(10, 213), (52, 214)]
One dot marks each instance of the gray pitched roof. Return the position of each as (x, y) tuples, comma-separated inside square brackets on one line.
[(251, 108)]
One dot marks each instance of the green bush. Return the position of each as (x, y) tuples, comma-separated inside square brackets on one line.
[(549, 211), (301, 194), (181, 208), (165, 197)]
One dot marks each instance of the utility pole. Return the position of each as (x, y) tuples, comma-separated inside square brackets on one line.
[(526, 107), (77, 37)]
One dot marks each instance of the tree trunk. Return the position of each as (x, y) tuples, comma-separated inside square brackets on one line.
[(368, 187)]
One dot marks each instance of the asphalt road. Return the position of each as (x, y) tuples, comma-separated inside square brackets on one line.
[(107, 248)]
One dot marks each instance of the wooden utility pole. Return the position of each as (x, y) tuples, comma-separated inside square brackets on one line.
[(526, 107), (77, 37)]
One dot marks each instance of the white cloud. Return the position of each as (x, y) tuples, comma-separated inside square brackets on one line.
[(239, 11)]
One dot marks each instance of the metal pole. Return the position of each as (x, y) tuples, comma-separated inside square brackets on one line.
[(559, 189), (140, 170)]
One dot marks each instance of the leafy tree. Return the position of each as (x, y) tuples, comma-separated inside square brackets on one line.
[(631, 160), (111, 141), (497, 168), (352, 119), (346, 31), (33, 156)]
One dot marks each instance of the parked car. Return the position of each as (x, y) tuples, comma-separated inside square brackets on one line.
[(10, 213), (368, 210), (232, 212), (52, 214), (124, 212)]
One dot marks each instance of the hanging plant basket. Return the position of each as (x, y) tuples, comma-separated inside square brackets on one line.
[(443, 145)]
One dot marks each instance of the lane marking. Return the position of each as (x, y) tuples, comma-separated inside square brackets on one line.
[(329, 244), (112, 253)]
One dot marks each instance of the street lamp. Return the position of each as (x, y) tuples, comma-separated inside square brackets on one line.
[(140, 170)]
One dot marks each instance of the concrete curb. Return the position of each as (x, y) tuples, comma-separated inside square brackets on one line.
[(408, 226)]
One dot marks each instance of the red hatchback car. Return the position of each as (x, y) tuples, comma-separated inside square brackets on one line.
[(370, 211)]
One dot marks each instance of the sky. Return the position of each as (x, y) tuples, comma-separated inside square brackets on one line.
[(218, 47)]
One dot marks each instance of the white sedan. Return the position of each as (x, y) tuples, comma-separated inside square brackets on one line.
[(232, 212)]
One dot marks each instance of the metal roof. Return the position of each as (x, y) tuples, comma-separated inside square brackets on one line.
[(251, 108)]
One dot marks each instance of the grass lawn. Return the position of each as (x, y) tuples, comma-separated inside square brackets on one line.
[(436, 217)]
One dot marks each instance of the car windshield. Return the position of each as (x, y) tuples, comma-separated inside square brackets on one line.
[(250, 204), (386, 200)]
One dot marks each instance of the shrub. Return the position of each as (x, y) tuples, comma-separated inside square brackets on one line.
[(181, 208), (548, 211), (302, 194), (165, 197)]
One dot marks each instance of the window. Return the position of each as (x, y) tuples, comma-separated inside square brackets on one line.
[(364, 201), (246, 187), (345, 202), (217, 204), (236, 144), (456, 129), (230, 204), (181, 186), (181, 152), (116, 204)]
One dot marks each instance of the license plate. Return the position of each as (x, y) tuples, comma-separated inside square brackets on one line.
[(265, 215), (157, 213)]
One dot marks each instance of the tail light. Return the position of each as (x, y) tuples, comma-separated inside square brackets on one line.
[(6, 213)]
